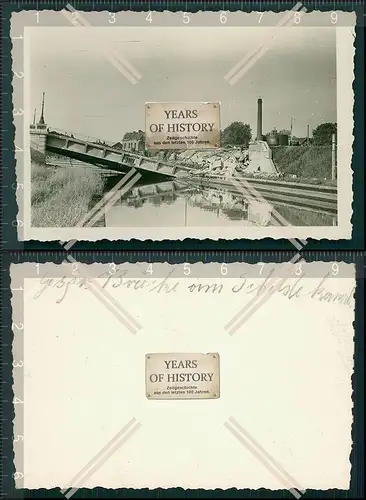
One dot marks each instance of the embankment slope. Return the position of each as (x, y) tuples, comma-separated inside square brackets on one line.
[(304, 161)]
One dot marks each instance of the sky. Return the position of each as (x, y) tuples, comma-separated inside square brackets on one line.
[(87, 94)]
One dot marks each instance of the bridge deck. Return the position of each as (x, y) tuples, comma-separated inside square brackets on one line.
[(108, 157)]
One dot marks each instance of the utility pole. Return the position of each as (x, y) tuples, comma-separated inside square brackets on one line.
[(292, 119), (333, 157), (259, 119), (41, 119)]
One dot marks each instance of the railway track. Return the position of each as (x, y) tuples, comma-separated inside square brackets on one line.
[(303, 196)]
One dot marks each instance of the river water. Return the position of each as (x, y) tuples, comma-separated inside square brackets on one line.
[(171, 203)]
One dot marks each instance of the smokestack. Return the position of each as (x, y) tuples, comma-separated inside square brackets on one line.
[(307, 136), (259, 121)]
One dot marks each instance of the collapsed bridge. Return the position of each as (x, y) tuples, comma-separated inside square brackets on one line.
[(111, 159), (104, 155)]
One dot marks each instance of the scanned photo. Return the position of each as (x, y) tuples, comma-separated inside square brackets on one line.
[(199, 381), (120, 145)]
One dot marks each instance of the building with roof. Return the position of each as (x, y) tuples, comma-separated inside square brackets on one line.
[(299, 141), (132, 141)]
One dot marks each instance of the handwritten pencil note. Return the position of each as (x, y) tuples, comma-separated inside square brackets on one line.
[(284, 335)]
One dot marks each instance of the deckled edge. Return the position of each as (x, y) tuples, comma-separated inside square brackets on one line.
[(343, 234), (17, 270)]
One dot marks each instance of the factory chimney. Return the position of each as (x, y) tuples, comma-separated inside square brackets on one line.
[(259, 120), (308, 135)]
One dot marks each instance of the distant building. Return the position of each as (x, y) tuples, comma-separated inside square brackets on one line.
[(298, 141), (132, 141)]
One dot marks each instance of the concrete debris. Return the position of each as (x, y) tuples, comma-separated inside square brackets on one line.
[(222, 164)]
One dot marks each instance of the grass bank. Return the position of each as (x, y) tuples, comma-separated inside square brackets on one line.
[(290, 179), (298, 217), (62, 196), (306, 162)]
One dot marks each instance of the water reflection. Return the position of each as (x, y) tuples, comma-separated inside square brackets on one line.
[(178, 203), (155, 200)]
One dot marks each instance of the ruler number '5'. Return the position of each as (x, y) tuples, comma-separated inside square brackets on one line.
[(186, 18)]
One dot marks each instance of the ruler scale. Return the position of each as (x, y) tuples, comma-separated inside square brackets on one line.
[(176, 257)]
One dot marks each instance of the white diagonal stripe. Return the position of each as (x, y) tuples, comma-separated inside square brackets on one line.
[(109, 199), (115, 196), (119, 62), (264, 457), (110, 302), (250, 192), (104, 454), (255, 54), (284, 19), (257, 301)]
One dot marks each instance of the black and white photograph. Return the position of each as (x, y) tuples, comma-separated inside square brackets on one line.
[(274, 160), (227, 385)]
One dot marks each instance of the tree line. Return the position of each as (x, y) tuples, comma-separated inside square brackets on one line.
[(240, 134)]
